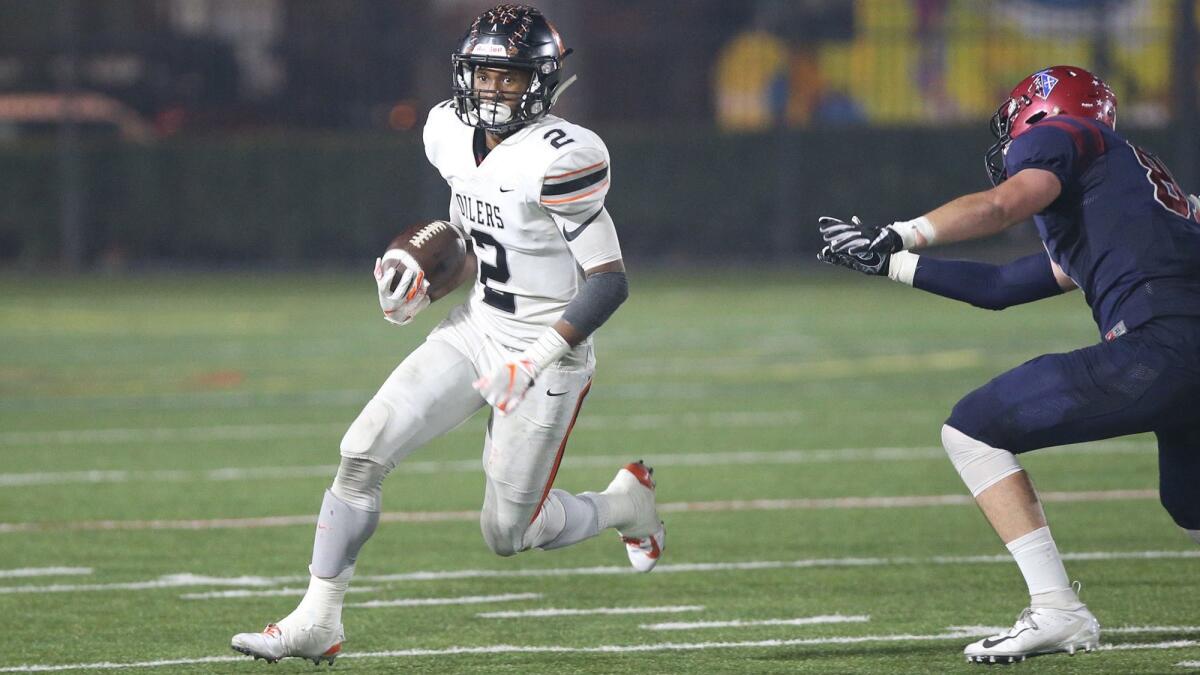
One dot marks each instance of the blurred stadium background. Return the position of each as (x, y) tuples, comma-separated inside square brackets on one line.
[(235, 133), (193, 192)]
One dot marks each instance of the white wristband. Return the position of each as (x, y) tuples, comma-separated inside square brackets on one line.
[(547, 349), (908, 230), (902, 267)]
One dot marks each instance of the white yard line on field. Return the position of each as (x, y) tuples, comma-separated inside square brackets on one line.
[(266, 432), (232, 523), (1151, 629), (910, 501), (45, 572), (1171, 644), (891, 502), (460, 600), (1104, 630), (1188, 664), (552, 612), (565, 649), (193, 580), (738, 623), (165, 581), (245, 593), (334, 430), (718, 458), (227, 432)]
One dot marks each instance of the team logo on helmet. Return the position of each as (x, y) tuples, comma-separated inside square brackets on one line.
[(1043, 84)]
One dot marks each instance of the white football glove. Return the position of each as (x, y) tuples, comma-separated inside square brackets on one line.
[(506, 387), (412, 291), (1195, 202)]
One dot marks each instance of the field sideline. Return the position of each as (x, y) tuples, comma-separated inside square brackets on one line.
[(166, 440)]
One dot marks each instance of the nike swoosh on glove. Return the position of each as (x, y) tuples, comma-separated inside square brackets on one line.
[(856, 237)]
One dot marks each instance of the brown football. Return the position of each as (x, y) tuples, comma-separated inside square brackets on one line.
[(438, 250)]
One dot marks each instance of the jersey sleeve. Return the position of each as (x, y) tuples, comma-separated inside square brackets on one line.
[(439, 115), (1063, 146), (573, 193), (576, 183)]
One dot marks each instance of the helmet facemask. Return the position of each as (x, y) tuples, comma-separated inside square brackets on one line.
[(1001, 126), (497, 112)]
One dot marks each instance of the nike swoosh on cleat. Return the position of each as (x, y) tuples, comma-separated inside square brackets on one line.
[(507, 190), (989, 643), (556, 393)]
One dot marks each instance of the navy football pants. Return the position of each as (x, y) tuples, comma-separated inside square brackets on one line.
[(1146, 380)]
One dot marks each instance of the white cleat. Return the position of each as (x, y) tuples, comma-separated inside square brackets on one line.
[(646, 539), (277, 642), (1039, 630)]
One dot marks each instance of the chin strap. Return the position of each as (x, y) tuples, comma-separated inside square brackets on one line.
[(561, 88)]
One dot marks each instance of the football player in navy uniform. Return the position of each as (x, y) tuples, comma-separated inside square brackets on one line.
[(1115, 224), (527, 189)]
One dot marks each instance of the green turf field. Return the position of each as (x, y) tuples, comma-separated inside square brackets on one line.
[(149, 425)]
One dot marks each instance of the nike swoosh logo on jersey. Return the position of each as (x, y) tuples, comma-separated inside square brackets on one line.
[(556, 393), (989, 643), (507, 189), (571, 235)]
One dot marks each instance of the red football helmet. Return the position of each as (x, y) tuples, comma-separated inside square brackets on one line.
[(1058, 90)]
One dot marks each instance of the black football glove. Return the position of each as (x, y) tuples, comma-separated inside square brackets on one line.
[(875, 264), (854, 237)]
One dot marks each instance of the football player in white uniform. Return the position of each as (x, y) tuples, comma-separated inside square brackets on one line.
[(527, 189)]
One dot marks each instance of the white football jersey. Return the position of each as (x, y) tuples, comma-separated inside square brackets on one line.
[(534, 208)]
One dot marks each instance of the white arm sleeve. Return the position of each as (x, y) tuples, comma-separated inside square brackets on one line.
[(573, 194)]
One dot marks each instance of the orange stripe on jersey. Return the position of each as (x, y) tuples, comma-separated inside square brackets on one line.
[(572, 173), (565, 200)]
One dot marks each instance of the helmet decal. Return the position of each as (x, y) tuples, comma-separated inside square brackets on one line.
[(489, 50), (1043, 84)]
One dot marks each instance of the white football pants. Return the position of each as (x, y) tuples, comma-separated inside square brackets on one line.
[(430, 393)]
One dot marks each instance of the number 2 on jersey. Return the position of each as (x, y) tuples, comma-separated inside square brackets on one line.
[(498, 272)]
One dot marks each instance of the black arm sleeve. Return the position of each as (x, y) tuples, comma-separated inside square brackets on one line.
[(596, 300), (988, 286)]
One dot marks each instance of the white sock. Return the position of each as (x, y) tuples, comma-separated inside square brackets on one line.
[(1194, 534), (322, 604), (576, 517), (1042, 567)]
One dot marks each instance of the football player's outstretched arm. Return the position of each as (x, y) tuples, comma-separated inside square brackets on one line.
[(972, 216), (983, 214), (1027, 279)]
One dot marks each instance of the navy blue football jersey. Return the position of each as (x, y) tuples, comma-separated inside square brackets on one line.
[(1122, 228)]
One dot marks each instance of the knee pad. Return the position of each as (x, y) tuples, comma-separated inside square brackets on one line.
[(979, 464), (504, 536), (359, 483), (362, 438)]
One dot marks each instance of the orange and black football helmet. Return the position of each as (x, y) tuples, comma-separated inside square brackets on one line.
[(508, 36)]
